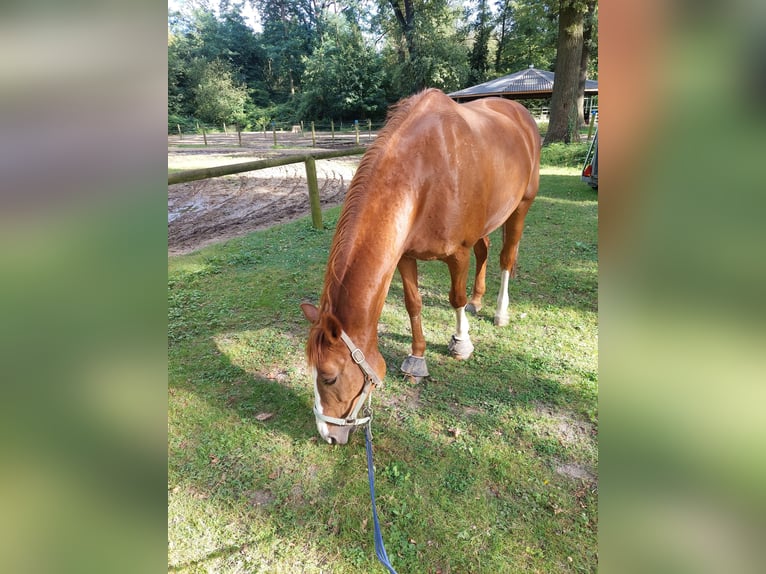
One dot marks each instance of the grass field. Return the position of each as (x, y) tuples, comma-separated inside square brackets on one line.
[(490, 465)]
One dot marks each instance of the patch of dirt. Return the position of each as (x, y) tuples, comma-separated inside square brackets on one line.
[(262, 497), (575, 471), (212, 210), (565, 428), (410, 399)]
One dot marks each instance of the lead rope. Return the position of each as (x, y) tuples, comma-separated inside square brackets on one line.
[(380, 550)]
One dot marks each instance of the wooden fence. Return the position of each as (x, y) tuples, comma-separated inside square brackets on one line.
[(308, 159)]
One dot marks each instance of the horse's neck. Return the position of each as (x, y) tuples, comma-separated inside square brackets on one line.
[(359, 280)]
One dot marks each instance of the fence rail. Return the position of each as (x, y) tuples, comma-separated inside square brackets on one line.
[(308, 159)]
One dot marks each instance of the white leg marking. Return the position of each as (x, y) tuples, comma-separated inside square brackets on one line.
[(324, 431), (502, 297), (461, 330)]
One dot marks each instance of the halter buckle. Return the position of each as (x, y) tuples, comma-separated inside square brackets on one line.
[(358, 356)]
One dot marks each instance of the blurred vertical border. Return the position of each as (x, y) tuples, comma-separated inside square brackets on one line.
[(83, 239), (683, 274)]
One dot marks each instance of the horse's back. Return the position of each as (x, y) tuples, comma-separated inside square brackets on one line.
[(508, 119), (469, 166)]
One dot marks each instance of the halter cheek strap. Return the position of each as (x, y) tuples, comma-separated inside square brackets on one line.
[(370, 379)]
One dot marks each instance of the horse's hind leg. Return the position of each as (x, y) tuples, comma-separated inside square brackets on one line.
[(512, 230), (460, 345), (415, 364), (479, 284)]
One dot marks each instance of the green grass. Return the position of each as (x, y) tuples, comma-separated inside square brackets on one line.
[(466, 462)]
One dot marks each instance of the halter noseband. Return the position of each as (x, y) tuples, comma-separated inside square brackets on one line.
[(370, 378)]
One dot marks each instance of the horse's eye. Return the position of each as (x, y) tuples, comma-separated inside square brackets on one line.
[(330, 381)]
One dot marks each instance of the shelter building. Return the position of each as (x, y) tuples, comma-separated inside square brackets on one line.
[(524, 85)]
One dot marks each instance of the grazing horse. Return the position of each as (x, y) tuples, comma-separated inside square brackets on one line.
[(438, 179)]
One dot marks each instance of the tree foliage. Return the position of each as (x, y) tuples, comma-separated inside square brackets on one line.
[(479, 58), (349, 59), (217, 97), (526, 35), (343, 78)]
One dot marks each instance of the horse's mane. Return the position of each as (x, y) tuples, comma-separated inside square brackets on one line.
[(357, 193)]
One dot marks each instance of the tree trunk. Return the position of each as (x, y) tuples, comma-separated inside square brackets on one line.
[(406, 20), (504, 17), (563, 122), (586, 36)]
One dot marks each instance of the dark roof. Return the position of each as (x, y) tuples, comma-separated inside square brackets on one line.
[(529, 83)]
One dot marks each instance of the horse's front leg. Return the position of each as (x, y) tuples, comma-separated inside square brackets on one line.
[(414, 365), (460, 345)]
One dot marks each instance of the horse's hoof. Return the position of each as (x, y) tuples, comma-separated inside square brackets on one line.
[(460, 348), (472, 309), (502, 320), (415, 367)]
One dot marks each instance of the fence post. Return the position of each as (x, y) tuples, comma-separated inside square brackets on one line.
[(225, 131), (274, 129), (369, 130), (311, 178), (356, 127), (204, 135), (332, 129), (180, 134), (313, 136), (239, 135)]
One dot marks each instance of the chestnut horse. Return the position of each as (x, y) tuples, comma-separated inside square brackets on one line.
[(437, 180)]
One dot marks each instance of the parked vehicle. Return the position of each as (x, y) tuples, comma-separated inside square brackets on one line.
[(590, 169)]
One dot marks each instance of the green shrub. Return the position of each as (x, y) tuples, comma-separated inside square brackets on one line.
[(564, 155), (188, 124)]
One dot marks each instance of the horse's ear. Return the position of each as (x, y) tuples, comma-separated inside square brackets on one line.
[(310, 312), (331, 327)]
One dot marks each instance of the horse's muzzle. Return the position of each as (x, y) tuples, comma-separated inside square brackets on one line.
[(336, 434)]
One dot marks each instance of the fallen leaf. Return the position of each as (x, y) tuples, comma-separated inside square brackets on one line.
[(263, 416)]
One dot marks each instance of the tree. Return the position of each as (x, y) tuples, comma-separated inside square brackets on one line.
[(526, 35), (428, 45), (217, 97), (344, 77), (196, 37), (563, 110), (479, 58), (588, 46), (289, 34)]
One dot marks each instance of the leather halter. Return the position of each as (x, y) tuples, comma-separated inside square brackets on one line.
[(370, 379)]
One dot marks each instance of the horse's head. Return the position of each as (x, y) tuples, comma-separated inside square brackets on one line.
[(343, 376)]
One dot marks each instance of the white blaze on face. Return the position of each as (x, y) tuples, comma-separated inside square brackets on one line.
[(324, 431)]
